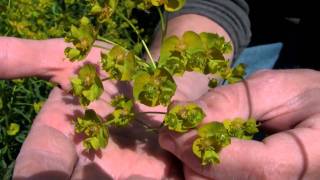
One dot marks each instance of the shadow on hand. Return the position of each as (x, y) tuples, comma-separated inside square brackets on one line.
[(49, 175)]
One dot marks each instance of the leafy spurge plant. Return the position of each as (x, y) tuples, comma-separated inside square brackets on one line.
[(153, 82)]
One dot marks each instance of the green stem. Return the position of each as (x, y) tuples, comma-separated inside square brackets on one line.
[(141, 39), (105, 79), (101, 47), (148, 127), (115, 44), (107, 40), (107, 123), (163, 22), (152, 112), (24, 104)]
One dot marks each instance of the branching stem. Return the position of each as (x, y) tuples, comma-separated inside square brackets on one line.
[(141, 39)]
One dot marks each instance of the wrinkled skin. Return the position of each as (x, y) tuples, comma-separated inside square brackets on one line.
[(52, 150), (287, 103)]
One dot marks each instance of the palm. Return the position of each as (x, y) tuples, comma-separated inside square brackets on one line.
[(52, 149), (129, 151)]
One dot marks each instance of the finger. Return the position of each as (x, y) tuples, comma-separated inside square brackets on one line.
[(289, 155), (236, 160), (279, 99), (48, 150), (189, 174), (29, 57), (44, 59)]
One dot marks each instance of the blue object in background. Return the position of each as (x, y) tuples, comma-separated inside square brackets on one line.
[(259, 57)]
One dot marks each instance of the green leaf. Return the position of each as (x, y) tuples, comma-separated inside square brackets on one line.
[(91, 143), (206, 153), (140, 80), (119, 63), (96, 8), (174, 5), (123, 113), (197, 147), (237, 74), (217, 66), (13, 129), (240, 128), (213, 83), (96, 134), (37, 106), (113, 4), (157, 2), (82, 38), (93, 93), (87, 85), (197, 62), (76, 86), (154, 88), (72, 53), (129, 67), (210, 157), (251, 127), (193, 42), (212, 129), (215, 134), (167, 48), (182, 118), (120, 117), (1, 103), (211, 40)]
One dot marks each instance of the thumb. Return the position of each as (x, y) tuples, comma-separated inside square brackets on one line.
[(241, 159), (48, 150), (45, 153)]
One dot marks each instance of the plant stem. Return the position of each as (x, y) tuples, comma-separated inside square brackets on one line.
[(115, 44), (152, 112), (139, 36), (105, 79), (155, 130), (163, 24), (107, 123), (107, 41), (101, 47)]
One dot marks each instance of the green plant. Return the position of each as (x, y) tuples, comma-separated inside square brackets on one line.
[(153, 82), (20, 100)]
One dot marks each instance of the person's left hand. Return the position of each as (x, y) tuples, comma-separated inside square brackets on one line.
[(53, 150)]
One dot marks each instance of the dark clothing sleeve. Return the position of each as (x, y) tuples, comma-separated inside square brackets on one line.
[(232, 15)]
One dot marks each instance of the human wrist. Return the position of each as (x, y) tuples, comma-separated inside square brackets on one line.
[(177, 26), (180, 24)]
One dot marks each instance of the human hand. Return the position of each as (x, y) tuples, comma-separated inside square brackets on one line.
[(53, 151), (45, 59), (286, 102)]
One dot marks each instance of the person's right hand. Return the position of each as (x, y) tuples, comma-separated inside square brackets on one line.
[(287, 103), (45, 59)]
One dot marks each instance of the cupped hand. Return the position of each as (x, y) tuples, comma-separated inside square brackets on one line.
[(52, 150), (287, 103)]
